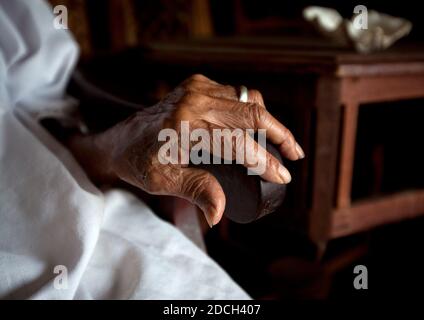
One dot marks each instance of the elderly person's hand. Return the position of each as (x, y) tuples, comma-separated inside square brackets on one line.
[(131, 149)]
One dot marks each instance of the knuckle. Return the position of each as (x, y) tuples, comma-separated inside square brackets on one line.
[(190, 106), (255, 95), (257, 115), (190, 85), (193, 81), (198, 77), (162, 180), (230, 91), (272, 163), (192, 98), (288, 138), (195, 185)]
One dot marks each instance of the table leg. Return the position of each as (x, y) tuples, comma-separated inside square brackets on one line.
[(347, 154), (328, 109)]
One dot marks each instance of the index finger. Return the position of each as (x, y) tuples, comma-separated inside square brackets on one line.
[(251, 115)]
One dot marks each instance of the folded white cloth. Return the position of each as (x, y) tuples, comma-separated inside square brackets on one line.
[(365, 31), (112, 245)]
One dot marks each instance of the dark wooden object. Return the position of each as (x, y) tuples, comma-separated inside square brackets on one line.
[(248, 197)]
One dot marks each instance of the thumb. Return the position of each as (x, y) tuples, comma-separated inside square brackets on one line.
[(202, 189)]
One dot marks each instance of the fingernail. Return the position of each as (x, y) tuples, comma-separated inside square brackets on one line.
[(284, 174), (209, 219), (299, 151)]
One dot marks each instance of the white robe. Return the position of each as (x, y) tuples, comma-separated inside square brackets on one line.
[(111, 244)]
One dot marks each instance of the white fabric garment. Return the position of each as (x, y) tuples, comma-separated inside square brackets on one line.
[(112, 245)]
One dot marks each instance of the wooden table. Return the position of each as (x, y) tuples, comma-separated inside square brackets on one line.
[(325, 87)]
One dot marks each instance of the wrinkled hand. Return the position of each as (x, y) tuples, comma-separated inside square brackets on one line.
[(131, 147)]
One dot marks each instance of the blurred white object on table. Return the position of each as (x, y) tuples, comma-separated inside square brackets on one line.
[(367, 31)]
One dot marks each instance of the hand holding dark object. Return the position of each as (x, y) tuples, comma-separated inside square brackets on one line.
[(248, 197), (129, 150)]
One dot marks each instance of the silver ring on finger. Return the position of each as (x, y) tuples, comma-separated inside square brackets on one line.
[(244, 94)]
